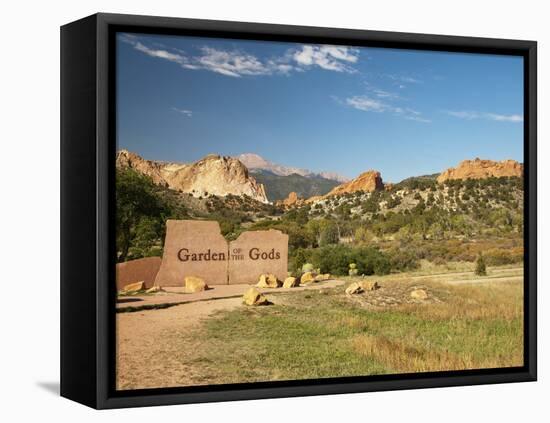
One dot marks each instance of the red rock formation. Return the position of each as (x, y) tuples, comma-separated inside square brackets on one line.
[(291, 201), (368, 181), (482, 169)]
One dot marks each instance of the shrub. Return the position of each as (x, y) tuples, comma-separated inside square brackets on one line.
[(335, 259), (481, 269), (308, 267)]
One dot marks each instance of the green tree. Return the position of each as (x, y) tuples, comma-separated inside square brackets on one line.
[(140, 212)]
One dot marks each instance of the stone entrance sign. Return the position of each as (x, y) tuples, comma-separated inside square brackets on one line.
[(143, 269), (193, 248), (257, 252), (197, 248)]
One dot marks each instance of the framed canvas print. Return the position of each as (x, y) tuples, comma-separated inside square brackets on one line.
[(258, 211)]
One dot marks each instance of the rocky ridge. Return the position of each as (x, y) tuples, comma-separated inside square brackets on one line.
[(212, 175), (482, 169)]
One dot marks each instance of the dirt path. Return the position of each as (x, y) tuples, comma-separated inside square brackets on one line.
[(150, 350), (154, 348)]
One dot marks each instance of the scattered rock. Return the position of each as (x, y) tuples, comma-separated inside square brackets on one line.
[(133, 287), (268, 281), (153, 289), (419, 294), (291, 282), (253, 297), (195, 284), (369, 285), (324, 277), (354, 288), (307, 277)]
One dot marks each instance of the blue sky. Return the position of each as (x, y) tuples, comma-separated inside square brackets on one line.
[(325, 108)]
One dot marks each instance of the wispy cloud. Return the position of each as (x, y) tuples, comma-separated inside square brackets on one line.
[(470, 115), (334, 58), (369, 104), (184, 112), (237, 63), (504, 118)]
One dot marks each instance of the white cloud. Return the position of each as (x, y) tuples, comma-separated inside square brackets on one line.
[(161, 54), (236, 63), (231, 63), (470, 115), (333, 58), (184, 112)]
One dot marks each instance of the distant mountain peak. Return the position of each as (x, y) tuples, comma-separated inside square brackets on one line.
[(256, 162)]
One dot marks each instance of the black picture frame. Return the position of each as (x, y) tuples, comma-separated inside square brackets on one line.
[(88, 118)]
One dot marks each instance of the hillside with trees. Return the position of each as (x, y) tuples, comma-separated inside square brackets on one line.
[(383, 231)]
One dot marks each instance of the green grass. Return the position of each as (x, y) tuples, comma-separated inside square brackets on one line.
[(308, 335)]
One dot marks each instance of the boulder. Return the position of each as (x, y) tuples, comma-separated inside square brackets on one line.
[(354, 288), (253, 297), (419, 294), (195, 284), (268, 281), (291, 282), (323, 277), (369, 285), (307, 277), (153, 289), (133, 287)]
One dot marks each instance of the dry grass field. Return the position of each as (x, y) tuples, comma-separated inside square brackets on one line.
[(466, 322)]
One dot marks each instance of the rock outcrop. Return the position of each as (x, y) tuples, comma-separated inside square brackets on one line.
[(481, 169), (217, 175), (291, 201), (368, 181), (212, 175), (125, 158)]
